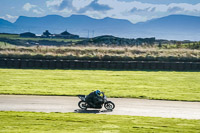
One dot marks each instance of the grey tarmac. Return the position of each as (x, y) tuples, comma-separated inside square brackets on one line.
[(124, 106)]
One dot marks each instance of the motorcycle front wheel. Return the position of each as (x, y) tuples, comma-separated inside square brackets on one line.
[(109, 105), (82, 105)]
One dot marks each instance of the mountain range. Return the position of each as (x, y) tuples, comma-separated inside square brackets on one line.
[(173, 27)]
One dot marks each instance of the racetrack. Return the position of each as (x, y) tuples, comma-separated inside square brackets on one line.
[(124, 106)]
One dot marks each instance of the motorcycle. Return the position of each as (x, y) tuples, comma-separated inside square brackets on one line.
[(102, 101)]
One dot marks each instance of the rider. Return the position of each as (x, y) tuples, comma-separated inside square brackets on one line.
[(93, 98)]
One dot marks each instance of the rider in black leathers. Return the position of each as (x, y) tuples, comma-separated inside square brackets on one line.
[(93, 98)]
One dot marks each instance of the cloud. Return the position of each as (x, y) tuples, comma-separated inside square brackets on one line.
[(9, 17), (60, 5), (164, 1), (136, 10), (133, 10), (34, 8), (174, 9), (76, 6), (28, 6), (38, 11), (95, 6), (66, 4), (53, 3)]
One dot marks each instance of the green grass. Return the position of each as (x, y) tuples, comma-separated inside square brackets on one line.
[(183, 46), (48, 39), (91, 123), (6, 45), (133, 84), (8, 35)]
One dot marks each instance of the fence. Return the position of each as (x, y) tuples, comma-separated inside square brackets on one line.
[(81, 64)]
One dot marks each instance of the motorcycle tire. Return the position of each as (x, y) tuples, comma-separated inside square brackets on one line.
[(82, 105), (109, 105)]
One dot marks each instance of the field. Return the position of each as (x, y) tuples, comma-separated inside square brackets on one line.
[(74, 122), (133, 84), (9, 36), (165, 85), (72, 51)]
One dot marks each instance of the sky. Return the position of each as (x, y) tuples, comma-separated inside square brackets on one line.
[(132, 10)]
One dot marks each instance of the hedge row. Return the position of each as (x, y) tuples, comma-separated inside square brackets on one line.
[(78, 64)]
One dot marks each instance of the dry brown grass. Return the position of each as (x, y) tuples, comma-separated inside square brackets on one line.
[(101, 53)]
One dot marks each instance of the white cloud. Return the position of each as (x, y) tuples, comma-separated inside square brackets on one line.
[(78, 4), (34, 8), (53, 3), (67, 7), (122, 5), (37, 11), (28, 6), (134, 11), (9, 17), (60, 4), (64, 7)]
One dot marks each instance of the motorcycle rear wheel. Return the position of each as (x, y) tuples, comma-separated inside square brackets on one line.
[(82, 105), (109, 105)]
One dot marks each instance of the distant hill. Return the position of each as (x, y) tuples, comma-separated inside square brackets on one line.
[(6, 26), (177, 27), (79, 24), (4, 22), (172, 27)]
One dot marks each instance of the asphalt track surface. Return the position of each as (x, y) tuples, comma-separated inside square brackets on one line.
[(124, 106)]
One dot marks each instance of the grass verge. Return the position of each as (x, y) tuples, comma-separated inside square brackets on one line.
[(167, 85), (101, 53), (74, 122)]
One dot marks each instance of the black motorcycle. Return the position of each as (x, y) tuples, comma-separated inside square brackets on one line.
[(101, 101)]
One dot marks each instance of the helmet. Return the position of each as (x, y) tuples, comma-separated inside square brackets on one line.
[(98, 92)]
